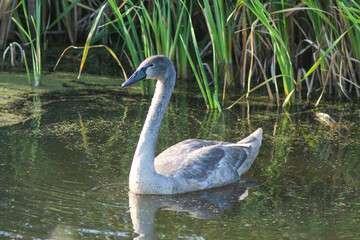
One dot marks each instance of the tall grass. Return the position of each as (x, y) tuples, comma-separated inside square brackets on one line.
[(278, 39), (220, 26), (34, 21), (5, 19), (35, 47), (232, 48), (306, 38), (151, 29), (350, 13), (182, 30), (88, 44), (201, 77)]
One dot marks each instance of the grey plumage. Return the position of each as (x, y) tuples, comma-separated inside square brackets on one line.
[(190, 165)]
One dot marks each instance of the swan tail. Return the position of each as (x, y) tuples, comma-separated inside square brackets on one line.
[(252, 144)]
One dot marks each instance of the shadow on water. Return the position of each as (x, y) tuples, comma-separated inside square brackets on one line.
[(64, 172)]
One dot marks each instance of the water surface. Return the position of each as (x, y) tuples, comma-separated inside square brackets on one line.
[(64, 172)]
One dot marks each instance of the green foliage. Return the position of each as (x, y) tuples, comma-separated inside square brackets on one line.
[(35, 48), (278, 39), (313, 47), (152, 29), (220, 29)]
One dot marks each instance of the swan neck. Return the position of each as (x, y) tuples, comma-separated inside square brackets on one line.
[(150, 131), (143, 174)]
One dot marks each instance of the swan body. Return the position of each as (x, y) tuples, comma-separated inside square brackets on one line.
[(187, 166)]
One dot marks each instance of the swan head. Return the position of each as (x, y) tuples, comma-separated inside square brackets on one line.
[(155, 67)]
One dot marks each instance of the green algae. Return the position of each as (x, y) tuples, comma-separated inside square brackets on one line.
[(15, 91)]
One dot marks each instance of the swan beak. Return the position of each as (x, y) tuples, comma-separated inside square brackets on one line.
[(138, 75)]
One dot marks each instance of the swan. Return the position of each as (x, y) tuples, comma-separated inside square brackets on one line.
[(187, 166)]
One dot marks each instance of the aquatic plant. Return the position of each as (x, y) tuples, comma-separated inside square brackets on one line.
[(151, 29), (230, 46), (322, 37), (278, 39), (220, 25), (201, 77), (350, 15), (5, 16), (35, 47), (12, 52), (88, 45)]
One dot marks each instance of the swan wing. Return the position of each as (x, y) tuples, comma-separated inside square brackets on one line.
[(214, 163), (201, 160), (199, 164), (209, 167), (170, 160)]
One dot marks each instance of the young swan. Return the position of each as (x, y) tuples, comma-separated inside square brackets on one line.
[(190, 165)]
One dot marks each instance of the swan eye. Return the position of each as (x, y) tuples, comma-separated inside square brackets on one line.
[(151, 65)]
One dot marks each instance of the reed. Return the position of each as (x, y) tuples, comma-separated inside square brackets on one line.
[(183, 30), (157, 30), (35, 47), (234, 47), (323, 34), (11, 49), (201, 77), (88, 45), (68, 13), (220, 25), (279, 46), (5, 17), (152, 29), (350, 13), (130, 38)]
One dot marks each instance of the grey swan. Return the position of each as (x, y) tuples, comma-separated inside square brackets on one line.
[(187, 166)]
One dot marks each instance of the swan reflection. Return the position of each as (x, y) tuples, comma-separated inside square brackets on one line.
[(205, 204)]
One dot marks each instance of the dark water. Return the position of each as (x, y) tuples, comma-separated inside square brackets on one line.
[(63, 174)]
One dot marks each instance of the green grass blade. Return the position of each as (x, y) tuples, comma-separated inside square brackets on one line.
[(87, 43), (27, 68), (177, 31), (316, 9), (323, 56), (125, 34), (198, 79), (18, 24), (202, 70), (280, 48), (217, 103), (318, 62)]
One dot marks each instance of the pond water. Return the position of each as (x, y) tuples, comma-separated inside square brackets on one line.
[(64, 172)]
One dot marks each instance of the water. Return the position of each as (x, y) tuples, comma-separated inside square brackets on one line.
[(64, 172)]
